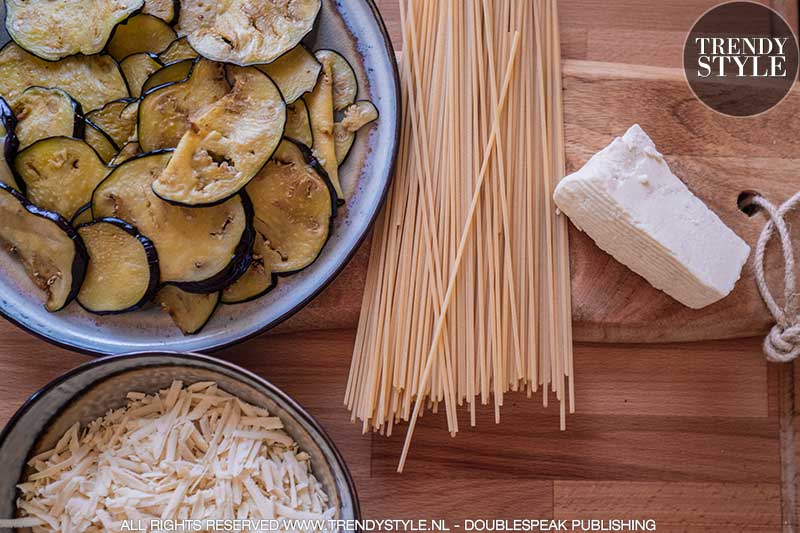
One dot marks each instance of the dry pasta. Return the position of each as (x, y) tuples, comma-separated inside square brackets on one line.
[(468, 288)]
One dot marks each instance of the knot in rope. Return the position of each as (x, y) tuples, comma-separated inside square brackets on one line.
[(782, 345)]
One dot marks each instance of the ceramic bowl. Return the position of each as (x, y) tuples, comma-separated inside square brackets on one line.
[(354, 28), (89, 391)]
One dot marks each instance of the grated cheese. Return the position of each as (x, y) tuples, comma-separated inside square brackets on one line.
[(192, 452)]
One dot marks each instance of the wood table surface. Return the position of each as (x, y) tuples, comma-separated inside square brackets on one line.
[(690, 435)]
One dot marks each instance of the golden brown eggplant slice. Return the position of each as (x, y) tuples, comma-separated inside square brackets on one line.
[(54, 30), (49, 248), (83, 216), (60, 174), (142, 33), (43, 113), (294, 204), (173, 73), (190, 312), (257, 281), (228, 144), (295, 72), (117, 119), (247, 32), (298, 126), (129, 151), (101, 141), (9, 144), (166, 10), (345, 84), (123, 268), (137, 68), (356, 117), (91, 80), (201, 250), (166, 113), (320, 112), (179, 50)]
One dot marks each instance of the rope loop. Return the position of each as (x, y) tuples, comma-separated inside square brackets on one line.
[(782, 345)]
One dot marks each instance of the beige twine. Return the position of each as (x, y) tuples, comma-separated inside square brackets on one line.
[(782, 345)]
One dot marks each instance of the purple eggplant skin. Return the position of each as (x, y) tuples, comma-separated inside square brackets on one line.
[(81, 261), (87, 208), (98, 129), (314, 163), (176, 13), (272, 287), (79, 126), (152, 262), (11, 147), (241, 261), (242, 189), (103, 51), (335, 202)]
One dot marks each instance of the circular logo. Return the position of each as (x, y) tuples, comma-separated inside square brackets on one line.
[(741, 59)]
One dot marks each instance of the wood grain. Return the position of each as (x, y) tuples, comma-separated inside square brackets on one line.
[(653, 380), (690, 445), (707, 507), (718, 158), (683, 433)]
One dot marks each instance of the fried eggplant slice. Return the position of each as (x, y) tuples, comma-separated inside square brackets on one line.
[(49, 248), (345, 84), (295, 73), (247, 32), (142, 33), (137, 68), (228, 144), (60, 174), (42, 112), (294, 205), (129, 151), (320, 113), (10, 146), (166, 113), (356, 117), (173, 73), (257, 281), (54, 30), (83, 216), (101, 141), (118, 120), (123, 268), (200, 250), (298, 126), (91, 80), (190, 312), (166, 10), (179, 50)]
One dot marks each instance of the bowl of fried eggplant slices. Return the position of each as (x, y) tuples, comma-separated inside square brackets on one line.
[(182, 175)]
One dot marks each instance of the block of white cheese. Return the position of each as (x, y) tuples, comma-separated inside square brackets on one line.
[(630, 203)]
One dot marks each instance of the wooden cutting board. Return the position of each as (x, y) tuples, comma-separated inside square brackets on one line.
[(718, 157)]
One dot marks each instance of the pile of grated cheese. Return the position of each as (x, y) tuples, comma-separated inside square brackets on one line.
[(186, 453)]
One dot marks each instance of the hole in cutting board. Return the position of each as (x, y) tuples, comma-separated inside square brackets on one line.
[(745, 203)]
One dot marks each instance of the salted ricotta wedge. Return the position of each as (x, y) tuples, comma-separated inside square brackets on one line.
[(630, 203)]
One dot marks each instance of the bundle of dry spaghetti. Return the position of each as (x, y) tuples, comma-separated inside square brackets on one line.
[(468, 293)]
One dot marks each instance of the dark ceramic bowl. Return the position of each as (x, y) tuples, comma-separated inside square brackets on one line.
[(355, 29), (89, 391)]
